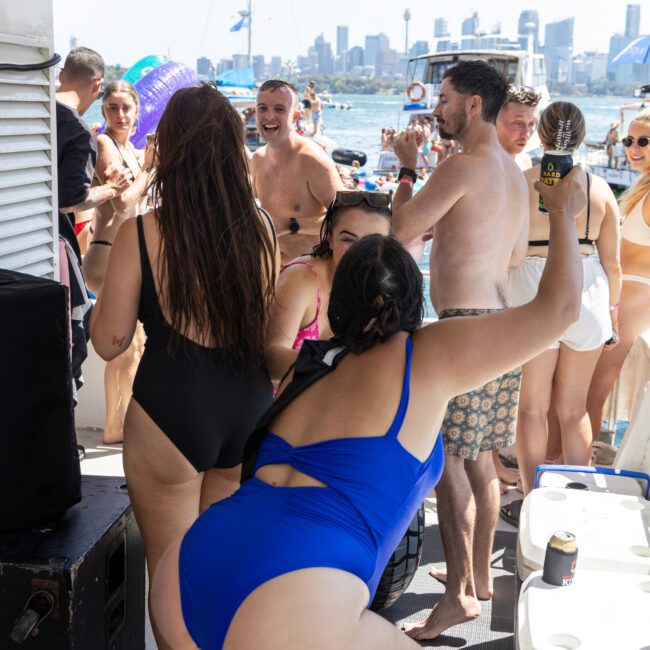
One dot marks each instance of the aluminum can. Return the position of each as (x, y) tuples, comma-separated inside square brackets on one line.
[(555, 165), (560, 559)]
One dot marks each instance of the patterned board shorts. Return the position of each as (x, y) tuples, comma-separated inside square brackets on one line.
[(485, 418)]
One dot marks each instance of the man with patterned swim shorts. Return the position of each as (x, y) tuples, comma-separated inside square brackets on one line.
[(483, 419), (476, 204)]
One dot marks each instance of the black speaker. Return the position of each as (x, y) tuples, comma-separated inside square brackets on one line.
[(39, 463), (79, 585)]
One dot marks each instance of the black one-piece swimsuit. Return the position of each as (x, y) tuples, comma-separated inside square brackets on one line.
[(206, 411)]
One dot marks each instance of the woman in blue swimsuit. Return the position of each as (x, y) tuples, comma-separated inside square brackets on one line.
[(198, 272), (337, 468)]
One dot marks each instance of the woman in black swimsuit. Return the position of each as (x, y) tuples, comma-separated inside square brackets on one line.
[(199, 272)]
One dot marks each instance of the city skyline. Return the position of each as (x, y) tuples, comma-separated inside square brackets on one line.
[(201, 27)]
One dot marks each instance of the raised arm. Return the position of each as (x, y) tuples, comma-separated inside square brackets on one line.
[(459, 354), (413, 215), (115, 314), (608, 245)]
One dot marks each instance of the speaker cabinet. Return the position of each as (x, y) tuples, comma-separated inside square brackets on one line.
[(80, 583)]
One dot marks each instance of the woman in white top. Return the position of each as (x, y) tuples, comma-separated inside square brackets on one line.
[(635, 262), (566, 367)]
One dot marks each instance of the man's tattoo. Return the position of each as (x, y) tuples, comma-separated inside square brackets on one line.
[(117, 341), (96, 196)]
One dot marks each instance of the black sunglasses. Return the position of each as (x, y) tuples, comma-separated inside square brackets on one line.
[(353, 199), (628, 141)]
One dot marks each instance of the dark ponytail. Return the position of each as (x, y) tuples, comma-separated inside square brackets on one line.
[(376, 292)]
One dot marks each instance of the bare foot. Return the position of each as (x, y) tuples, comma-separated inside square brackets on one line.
[(507, 476), (112, 437), (483, 592), (503, 488), (448, 612)]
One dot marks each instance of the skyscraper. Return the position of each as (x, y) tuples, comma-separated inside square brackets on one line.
[(373, 45), (632, 21), (325, 56), (469, 26), (441, 28), (527, 18), (558, 49), (469, 30), (341, 39), (419, 48), (355, 57), (203, 67)]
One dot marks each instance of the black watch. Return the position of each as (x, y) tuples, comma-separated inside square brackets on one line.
[(406, 171)]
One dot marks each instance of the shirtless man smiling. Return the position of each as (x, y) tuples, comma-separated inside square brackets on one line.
[(293, 178), (476, 202)]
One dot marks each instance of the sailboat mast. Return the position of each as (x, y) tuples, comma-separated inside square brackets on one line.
[(250, 33)]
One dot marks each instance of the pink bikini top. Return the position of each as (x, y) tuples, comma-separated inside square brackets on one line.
[(309, 333)]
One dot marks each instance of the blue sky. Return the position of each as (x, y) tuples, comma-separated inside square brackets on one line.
[(125, 30)]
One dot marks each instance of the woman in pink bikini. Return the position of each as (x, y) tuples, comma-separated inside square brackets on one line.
[(299, 310)]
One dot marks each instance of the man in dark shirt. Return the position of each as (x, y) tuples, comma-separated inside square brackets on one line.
[(81, 81)]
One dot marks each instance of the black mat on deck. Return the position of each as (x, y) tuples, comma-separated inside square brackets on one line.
[(494, 629)]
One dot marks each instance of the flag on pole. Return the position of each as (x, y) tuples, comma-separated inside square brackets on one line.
[(240, 24)]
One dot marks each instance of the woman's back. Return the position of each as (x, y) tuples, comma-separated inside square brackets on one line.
[(588, 223)]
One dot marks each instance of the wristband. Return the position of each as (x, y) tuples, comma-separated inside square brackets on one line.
[(406, 180), (406, 171)]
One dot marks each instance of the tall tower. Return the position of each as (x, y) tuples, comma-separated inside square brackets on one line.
[(407, 17)]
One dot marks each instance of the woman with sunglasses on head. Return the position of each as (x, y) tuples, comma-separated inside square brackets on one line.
[(565, 368), (299, 309), (198, 271), (120, 108), (634, 310), (342, 460)]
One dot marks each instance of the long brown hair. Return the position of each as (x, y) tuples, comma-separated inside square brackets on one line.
[(216, 253), (642, 186)]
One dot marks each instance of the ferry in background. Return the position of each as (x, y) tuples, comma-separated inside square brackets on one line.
[(425, 74)]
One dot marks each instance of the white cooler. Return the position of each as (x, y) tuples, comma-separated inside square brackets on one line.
[(612, 530), (601, 610), (592, 481)]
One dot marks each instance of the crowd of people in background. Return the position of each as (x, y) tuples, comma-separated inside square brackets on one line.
[(220, 279)]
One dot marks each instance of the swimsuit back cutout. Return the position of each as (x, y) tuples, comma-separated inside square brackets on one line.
[(583, 240), (635, 229), (376, 477), (311, 331)]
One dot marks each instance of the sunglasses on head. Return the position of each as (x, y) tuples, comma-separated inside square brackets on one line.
[(628, 141), (353, 199)]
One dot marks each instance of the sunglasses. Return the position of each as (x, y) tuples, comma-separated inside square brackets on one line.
[(353, 199), (628, 141)]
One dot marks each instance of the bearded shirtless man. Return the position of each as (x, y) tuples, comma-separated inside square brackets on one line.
[(476, 202), (293, 178)]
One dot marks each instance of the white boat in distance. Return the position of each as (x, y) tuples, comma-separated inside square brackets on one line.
[(520, 67)]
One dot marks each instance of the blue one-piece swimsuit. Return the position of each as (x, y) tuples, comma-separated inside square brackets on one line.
[(374, 487)]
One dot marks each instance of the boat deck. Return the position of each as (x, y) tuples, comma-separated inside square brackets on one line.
[(492, 631)]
